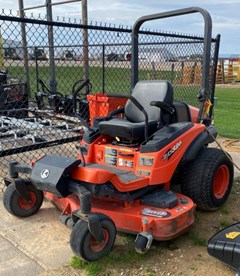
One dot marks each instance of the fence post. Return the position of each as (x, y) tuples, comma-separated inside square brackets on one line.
[(53, 83), (24, 45), (223, 73), (103, 68), (238, 71), (85, 42), (172, 72), (36, 64)]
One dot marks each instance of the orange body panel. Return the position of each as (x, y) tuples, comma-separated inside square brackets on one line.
[(160, 171), (128, 217), (105, 163), (101, 104)]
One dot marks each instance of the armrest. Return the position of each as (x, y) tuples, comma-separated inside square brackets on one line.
[(115, 112), (166, 107)]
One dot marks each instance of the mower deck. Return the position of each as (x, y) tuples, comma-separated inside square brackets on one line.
[(164, 223)]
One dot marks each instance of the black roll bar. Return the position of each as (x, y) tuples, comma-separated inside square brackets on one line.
[(206, 42)]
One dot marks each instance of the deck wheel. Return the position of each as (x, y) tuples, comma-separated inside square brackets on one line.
[(16, 205), (85, 246), (141, 244)]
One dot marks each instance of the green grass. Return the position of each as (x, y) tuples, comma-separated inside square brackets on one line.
[(122, 257), (117, 79), (92, 269), (224, 211), (197, 240), (66, 76), (225, 223), (227, 115)]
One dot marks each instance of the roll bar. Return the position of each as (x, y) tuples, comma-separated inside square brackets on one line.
[(206, 42)]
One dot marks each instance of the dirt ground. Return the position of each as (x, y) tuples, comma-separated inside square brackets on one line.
[(186, 255), (48, 243)]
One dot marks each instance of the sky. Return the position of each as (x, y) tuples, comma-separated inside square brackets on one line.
[(224, 13)]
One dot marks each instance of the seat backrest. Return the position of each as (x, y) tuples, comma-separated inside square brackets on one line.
[(145, 92)]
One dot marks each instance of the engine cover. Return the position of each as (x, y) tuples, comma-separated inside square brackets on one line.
[(51, 174)]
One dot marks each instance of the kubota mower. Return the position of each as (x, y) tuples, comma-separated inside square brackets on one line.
[(122, 177)]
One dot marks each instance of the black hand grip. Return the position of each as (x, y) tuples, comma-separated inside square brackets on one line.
[(163, 106)]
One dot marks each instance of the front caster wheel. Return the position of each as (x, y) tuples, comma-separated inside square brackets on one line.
[(84, 245), (17, 205), (141, 244)]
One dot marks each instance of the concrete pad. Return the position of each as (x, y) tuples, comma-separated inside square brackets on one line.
[(236, 159), (14, 262), (234, 151), (40, 239)]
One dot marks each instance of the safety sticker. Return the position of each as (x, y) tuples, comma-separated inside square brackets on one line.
[(179, 209), (155, 213), (232, 235)]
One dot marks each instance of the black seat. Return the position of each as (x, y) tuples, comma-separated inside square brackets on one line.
[(132, 126)]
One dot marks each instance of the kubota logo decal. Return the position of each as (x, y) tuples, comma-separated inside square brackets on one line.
[(45, 173), (171, 151)]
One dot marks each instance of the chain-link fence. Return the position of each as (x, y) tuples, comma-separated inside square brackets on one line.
[(44, 92)]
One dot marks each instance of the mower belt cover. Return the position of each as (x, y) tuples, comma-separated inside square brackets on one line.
[(225, 246), (51, 174), (161, 199)]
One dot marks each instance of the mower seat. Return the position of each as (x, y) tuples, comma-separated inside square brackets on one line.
[(132, 126)]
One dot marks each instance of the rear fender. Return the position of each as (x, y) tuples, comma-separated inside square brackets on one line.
[(203, 139)]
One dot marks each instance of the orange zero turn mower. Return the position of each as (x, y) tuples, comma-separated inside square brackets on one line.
[(122, 179)]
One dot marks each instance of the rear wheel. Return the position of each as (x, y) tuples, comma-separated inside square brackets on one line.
[(83, 243), (208, 179), (16, 205)]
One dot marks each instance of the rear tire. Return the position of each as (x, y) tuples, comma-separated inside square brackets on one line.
[(208, 179), (85, 246), (17, 205)]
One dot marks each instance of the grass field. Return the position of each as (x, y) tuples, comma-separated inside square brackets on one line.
[(117, 80), (227, 112)]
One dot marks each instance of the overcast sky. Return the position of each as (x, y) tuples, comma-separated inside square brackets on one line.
[(225, 15)]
